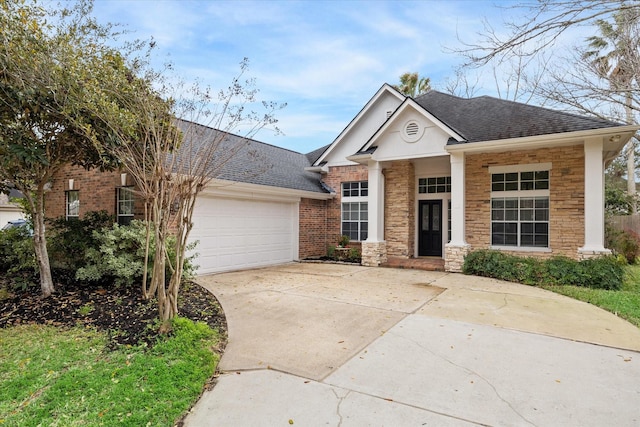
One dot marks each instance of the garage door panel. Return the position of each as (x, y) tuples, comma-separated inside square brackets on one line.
[(236, 234)]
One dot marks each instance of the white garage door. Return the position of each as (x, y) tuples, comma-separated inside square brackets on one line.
[(235, 234)]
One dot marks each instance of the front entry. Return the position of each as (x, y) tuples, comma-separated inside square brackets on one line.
[(430, 228)]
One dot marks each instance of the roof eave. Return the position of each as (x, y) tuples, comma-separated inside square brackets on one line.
[(244, 190), (363, 159), (541, 141)]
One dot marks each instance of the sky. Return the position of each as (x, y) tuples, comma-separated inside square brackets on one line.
[(324, 59)]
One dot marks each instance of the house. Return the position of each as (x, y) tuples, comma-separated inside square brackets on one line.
[(9, 211), (438, 175), (435, 176)]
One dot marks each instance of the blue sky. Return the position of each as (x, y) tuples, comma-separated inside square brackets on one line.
[(325, 59)]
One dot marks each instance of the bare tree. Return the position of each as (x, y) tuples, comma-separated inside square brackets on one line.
[(598, 77), (539, 26), (183, 137)]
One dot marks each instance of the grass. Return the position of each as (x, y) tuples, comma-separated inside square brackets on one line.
[(624, 302), (54, 377)]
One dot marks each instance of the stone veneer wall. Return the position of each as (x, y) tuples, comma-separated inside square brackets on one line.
[(313, 228), (336, 176), (374, 253), (454, 257), (399, 209), (96, 189), (566, 204)]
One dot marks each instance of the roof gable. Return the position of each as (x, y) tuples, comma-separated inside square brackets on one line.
[(363, 125)]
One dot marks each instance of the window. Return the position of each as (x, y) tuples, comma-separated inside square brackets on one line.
[(520, 207), (124, 201), (441, 184), (355, 210), (73, 204)]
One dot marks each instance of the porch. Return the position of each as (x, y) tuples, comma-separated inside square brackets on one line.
[(422, 263)]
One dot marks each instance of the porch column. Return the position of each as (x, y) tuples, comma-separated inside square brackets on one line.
[(593, 200), (374, 249), (457, 248)]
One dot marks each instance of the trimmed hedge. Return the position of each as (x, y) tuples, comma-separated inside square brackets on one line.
[(599, 273)]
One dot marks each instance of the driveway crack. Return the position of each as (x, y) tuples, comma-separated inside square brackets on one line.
[(470, 371), (340, 401)]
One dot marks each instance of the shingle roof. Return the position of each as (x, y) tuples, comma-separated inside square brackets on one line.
[(315, 154), (255, 162), (486, 118)]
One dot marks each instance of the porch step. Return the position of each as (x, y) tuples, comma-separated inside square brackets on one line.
[(428, 264)]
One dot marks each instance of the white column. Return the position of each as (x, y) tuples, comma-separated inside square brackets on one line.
[(457, 200), (593, 197), (376, 203)]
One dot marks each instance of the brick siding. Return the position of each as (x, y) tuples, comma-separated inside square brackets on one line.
[(96, 191), (566, 188), (336, 176), (313, 228)]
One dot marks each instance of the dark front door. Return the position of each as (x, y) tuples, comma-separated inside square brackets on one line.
[(430, 226)]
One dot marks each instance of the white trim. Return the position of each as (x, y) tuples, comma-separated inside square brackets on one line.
[(384, 89), (543, 141), (410, 103), (234, 189), (520, 248)]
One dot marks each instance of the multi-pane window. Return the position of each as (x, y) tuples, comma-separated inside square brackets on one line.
[(441, 184), (72, 203), (355, 189), (520, 208), (124, 202), (355, 210)]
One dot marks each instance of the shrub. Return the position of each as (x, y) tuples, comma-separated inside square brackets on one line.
[(354, 255), (331, 251), (119, 255), (17, 257), (69, 239), (600, 273), (343, 242), (627, 243)]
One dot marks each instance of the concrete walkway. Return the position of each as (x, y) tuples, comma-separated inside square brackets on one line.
[(335, 345)]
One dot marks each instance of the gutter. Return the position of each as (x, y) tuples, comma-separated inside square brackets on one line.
[(539, 141)]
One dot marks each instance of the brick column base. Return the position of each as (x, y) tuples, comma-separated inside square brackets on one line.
[(374, 253), (454, 257), (587, 254)]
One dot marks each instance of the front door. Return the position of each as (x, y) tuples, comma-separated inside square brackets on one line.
[(430, 226)]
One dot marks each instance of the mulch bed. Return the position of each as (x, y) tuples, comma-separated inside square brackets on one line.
[(119, 311)]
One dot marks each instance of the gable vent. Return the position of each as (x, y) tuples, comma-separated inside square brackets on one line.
[(412, 129)]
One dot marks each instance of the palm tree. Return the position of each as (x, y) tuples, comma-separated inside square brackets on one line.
[(411, 84), (615, 55)]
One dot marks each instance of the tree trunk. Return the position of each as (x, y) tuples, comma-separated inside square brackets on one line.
[(40, 244), (631, 158)]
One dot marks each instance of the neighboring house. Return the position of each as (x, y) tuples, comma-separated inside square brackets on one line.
[(439, 175), (9, 211), (432, 177)]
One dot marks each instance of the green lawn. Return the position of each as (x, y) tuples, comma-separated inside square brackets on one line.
[(624, 303), (54, 377)]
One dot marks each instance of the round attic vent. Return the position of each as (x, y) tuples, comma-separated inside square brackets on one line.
[(411, 131)]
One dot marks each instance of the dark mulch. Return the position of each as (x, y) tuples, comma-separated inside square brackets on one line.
[(120, 311)]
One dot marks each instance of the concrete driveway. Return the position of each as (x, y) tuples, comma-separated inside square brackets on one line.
[(336, 345)]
